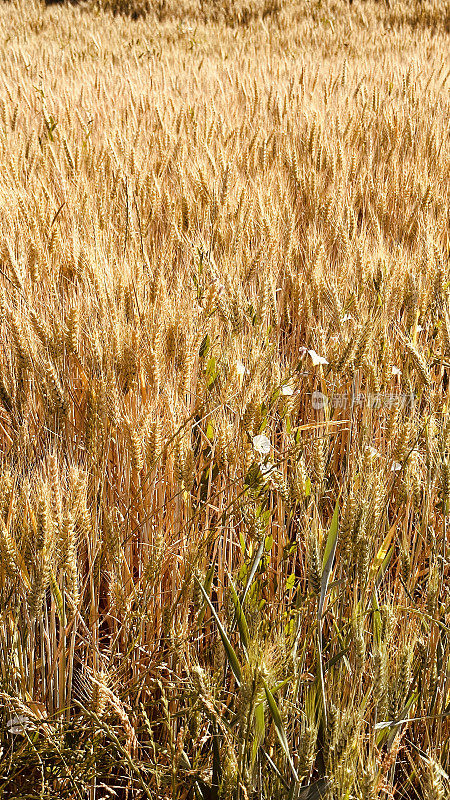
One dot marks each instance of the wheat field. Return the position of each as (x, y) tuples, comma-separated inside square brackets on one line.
[(224, 400)]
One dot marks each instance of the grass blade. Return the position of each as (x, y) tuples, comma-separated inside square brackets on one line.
[(277, 721), (231, 655), (328, 557), (240, 616), (255, 565)]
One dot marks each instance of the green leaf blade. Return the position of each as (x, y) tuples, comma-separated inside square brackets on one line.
[(231, 655)]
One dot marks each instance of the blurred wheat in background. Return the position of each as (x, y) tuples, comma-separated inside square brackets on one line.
[(224, 400)]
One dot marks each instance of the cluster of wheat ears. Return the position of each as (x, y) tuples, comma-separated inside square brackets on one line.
[(224, 403)]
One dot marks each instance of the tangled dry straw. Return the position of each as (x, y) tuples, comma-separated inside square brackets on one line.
[(224, 421)]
